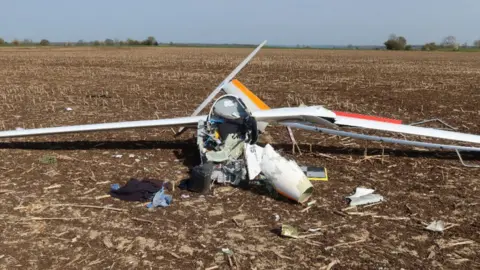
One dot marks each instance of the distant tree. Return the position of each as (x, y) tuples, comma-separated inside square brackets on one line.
[(109, 42), (2, 41), (44, 42), (96, 43), (121, 43), (15, 42), (432, 46), (395, 43), (450, 42), (80, 42), (27, 41), (150, 41), (132, 42), (408, 47), (476, 43)]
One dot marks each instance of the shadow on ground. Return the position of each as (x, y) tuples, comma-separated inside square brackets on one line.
[(188, 148)]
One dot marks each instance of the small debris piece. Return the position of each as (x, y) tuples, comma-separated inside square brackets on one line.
[(117, 156), (185, 196), (364, 196), (315, 173), (436, 226), (276, 216), (311, 203), (131, 156), (68, 109), (227, 251), (289, 231), (115, 186), (160, 199)]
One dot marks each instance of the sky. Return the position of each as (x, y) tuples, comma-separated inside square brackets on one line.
[(281, 22)]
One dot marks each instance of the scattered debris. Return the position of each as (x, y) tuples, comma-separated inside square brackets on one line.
[(68, 109), (364, 196), (160, 199), (315, 173), (436, 226), (289, 231), (117, 156), (227, 251), (139, 190)]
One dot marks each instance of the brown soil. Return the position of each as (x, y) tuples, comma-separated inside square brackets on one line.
[(45, 224)]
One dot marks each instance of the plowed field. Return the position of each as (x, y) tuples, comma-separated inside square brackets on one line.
[(57, 214)]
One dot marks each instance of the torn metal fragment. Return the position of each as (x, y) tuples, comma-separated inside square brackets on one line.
[(436, 226), (289, 231), (364, 196)]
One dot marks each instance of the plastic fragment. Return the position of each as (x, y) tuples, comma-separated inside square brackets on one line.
[(160, 199), (227, 251), (364, 196), (289, 231), (436, 226)]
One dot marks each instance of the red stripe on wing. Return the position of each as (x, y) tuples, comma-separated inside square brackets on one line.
[(368, 117)]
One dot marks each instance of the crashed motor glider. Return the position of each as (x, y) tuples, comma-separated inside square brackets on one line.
[(227, 135)]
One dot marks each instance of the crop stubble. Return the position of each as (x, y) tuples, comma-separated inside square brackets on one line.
[(46, 221)]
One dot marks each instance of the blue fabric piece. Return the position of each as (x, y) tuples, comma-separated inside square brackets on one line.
[(115, 187), (160, 199)]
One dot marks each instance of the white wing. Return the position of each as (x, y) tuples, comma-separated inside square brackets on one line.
[(181, 121), (394, 126), (310, 114), (406, 129)]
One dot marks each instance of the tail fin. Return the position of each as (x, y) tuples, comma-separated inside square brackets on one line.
[(253, 103)]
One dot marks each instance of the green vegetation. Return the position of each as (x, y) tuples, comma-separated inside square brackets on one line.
[(44, 42), (394, 42)]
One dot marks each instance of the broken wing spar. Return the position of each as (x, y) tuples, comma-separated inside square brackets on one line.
[(230, 77)]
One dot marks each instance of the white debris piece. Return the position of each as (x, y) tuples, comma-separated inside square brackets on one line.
[(364, 196), (253, 155), (68, 109), (436, 226), (285, 175), (117, 156), (131, 156)]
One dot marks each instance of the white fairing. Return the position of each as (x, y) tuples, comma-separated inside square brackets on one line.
[(285, 175), (253, 156)]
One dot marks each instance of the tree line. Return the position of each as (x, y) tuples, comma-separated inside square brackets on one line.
[(399, 43), (149, 41)]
